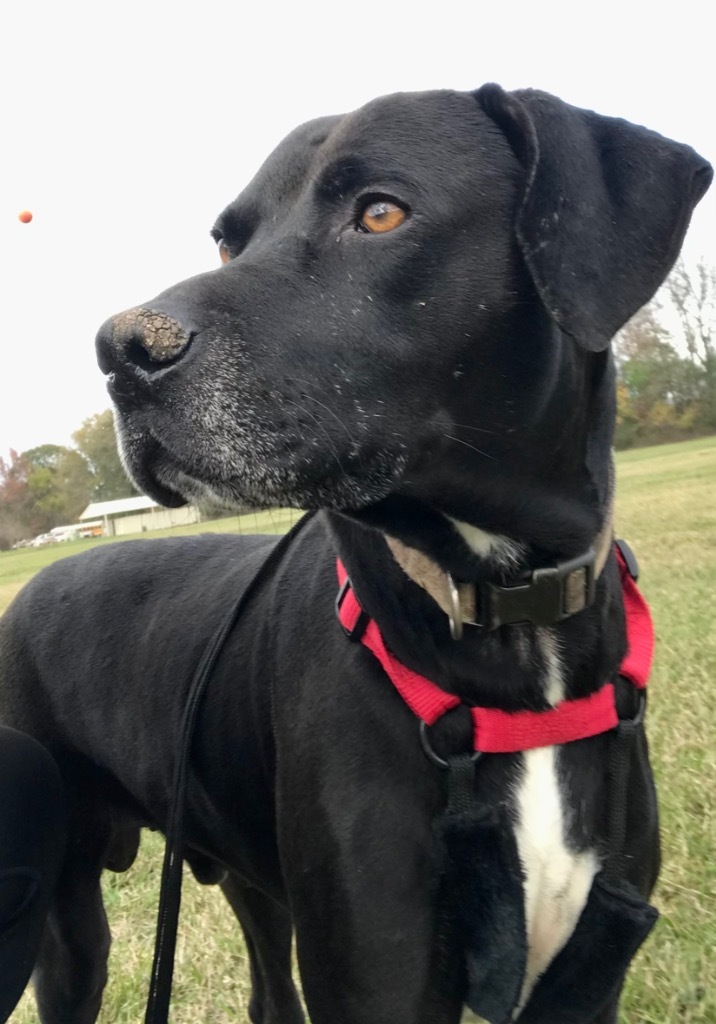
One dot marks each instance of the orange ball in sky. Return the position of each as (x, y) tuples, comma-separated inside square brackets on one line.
[(25, 216)]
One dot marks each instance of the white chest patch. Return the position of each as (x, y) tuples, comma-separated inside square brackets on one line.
[(557, 881)]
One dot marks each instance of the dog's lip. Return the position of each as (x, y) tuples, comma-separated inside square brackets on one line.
[(159, 492), (151, 452), (165, 497)]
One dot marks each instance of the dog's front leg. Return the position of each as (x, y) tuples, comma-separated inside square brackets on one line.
[(268, 931), (361, 880), (71, 969)]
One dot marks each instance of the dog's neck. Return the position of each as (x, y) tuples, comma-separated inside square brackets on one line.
[(514, 667), (507, 518), (398, 557), (458, 600), (476, 556)]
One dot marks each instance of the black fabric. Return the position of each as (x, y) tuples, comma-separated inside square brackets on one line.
[(622, 748), (32, 843), (481, 895), (588, 972)]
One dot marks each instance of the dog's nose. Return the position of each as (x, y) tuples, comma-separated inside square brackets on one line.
[(146, 338)]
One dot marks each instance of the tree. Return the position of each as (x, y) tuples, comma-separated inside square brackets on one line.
[(658, 389), (15, 501), (73, 484), (59, 484), (690, 293), (51, 485), (96, 441)]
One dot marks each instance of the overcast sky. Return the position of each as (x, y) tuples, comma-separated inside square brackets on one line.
[(126, 127)]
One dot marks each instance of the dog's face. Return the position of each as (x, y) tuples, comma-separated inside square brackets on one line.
[(395, 305), (369, 268)]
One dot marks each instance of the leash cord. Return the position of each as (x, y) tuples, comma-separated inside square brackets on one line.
[(160, 985)]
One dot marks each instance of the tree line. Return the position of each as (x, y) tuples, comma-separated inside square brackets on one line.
[(666, 390), (51, 485), (666, 362)]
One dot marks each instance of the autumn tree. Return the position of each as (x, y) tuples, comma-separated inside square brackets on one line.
[(96, 441), (15, 500)]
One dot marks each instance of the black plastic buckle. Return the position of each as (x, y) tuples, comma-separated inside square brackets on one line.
[(550, 595), (355, 632), (632, 566)]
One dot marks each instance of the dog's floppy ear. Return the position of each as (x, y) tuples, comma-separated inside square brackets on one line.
[(605, 210)]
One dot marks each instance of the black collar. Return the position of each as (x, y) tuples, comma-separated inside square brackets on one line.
[(543, 597)]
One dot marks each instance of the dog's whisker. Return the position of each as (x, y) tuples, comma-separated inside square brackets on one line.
[(334, 450), (481, 430), (311, 398), (300, 380), (467, 445), (330, 412)]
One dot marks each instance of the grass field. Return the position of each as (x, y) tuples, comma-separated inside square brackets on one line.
[(666, 508)]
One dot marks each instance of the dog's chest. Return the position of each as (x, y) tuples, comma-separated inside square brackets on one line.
[(557, 880)]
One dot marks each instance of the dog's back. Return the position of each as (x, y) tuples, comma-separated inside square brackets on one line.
[(79, 617)]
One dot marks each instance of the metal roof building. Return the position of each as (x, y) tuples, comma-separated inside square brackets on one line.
[(138, 514)]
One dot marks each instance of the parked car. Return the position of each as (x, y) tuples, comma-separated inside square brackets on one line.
[(42, 539)]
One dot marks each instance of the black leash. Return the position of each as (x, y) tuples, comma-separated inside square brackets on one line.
[(160, 987)]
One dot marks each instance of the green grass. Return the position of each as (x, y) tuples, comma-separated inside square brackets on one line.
[(666, 509), (16, 567)]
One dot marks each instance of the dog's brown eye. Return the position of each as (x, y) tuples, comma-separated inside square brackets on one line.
[(224, 253), (381, 215)]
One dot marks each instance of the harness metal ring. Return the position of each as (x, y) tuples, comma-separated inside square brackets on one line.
[(640, 713), (430, 753), (641, 710)]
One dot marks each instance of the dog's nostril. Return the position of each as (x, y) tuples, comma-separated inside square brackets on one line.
[(145, 338), (151, 358)]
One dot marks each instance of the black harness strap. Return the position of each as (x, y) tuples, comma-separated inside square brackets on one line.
[(622, 742), (160, 987)]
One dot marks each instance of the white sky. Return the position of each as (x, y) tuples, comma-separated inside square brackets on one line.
[(126, 127)]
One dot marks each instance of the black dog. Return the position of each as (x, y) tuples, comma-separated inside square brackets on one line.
[(411, 332)]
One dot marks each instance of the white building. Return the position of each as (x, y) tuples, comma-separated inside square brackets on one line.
[(137, 515)]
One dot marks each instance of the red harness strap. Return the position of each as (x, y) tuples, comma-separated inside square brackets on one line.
[(508, 732)]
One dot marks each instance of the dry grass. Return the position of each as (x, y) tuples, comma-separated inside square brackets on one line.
[(667, 498)]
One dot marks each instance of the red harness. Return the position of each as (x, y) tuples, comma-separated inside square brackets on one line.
[(508, 732)]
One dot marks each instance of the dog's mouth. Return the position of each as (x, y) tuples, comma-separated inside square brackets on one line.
[(143, 459), (257, 475)]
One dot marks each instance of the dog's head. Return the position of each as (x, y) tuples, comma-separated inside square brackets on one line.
[(413, 294)]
